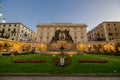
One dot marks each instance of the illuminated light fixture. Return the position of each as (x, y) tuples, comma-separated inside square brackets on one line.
[(53, 55), (71, 55)]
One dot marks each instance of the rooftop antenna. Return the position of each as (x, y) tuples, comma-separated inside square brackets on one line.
[(2, 19)]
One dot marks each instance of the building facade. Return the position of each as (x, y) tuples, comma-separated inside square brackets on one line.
[(105, 31), (17, 32), (19, 38), (45, 32)]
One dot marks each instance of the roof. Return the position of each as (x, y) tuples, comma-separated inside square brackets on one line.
[(18, 23), (61, 24)]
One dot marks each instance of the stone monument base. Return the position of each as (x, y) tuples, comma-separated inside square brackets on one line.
[(68, 45)]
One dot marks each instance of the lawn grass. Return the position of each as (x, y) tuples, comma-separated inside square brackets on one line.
[(7, 65)]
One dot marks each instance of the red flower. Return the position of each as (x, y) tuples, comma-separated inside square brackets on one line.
[(92, 61), (18, 61), (29, 61)]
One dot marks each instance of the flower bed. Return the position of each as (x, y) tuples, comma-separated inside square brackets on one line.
[(92, 61), (66, 61), (29, 61)]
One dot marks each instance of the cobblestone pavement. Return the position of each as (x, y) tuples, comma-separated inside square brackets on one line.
[(59, 77)]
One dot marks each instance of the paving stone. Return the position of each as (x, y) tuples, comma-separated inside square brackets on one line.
[(59, 78)]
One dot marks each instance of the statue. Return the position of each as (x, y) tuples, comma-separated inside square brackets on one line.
[(64, 35)]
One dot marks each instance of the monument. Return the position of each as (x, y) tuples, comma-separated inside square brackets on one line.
[(61, 38), (51, 37)]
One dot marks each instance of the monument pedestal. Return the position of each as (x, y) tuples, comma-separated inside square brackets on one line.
[(68, 45)]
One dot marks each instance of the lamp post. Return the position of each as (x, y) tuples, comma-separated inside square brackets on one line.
[(62, 48), (11, 52)]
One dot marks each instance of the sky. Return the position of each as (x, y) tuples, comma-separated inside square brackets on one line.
[(32, 12)]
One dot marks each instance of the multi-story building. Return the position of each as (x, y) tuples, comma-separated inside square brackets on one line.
[(45, 32), (17, 32), (105, 31), (55, 35)]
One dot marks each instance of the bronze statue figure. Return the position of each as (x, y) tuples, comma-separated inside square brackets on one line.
[(62, 35)]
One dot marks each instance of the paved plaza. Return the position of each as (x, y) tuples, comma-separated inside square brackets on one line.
[(60, 77)]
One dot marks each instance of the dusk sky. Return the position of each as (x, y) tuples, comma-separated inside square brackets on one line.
[(32, 12)]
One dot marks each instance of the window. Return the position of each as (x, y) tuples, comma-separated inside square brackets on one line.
[(101, 26), (115, 29), (9, 25), (81, 37), (98, 34), (14, 34), (15, 25), (14, 29), (108, 24), (114, 24), (111, 38), (3, 29), (102, 35), (109, 29), (110, 34), (9, 29), (22, 31), (4, 25), (116, 34), (12, 38)]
